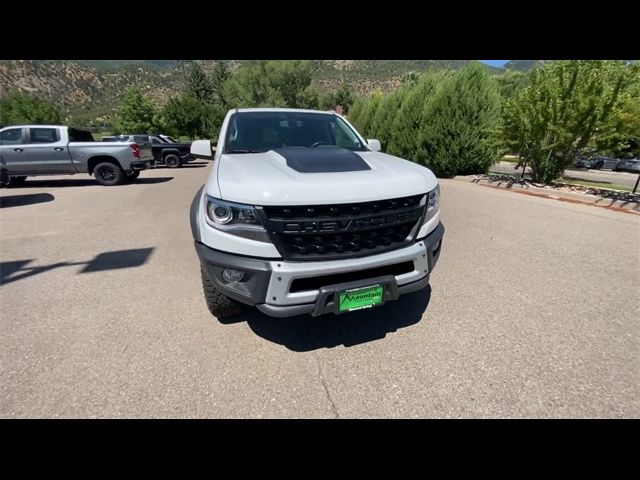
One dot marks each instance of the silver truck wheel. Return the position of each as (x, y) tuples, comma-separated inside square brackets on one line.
[(220, 306)]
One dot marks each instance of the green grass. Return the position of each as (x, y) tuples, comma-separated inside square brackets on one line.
[(604, 185)]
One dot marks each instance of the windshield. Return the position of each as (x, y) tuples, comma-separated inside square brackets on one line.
[(250, 132)]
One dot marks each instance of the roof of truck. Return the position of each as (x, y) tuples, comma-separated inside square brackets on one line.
[(297, 110)]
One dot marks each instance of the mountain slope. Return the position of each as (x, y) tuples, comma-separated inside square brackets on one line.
[(91, 89)]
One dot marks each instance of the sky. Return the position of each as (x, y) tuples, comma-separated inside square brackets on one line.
[(495, 63)]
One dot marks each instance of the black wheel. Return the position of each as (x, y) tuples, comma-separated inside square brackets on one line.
[(130, 177), (172, 161), (220, 306), (108, 174), (17, 181)]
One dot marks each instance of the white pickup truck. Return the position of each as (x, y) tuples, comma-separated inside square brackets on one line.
[(301, 215), (34, 150)]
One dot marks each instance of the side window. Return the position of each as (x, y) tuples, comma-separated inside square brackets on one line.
[(155, 140), (140, 138), (43, 135), (12, 136)]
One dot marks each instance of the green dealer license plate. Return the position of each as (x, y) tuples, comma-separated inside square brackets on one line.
[(358, 298)]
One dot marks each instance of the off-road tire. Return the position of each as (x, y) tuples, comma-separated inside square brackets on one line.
[(108, 174), (130, 177), (220, 306), (172, 161)]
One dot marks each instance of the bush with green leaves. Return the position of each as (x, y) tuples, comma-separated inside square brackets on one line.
[(368, 113), (457, 123), (406, 126), (568, 106), (23, 108), (385, 115)]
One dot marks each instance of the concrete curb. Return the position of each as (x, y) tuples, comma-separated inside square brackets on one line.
[(631, 207)]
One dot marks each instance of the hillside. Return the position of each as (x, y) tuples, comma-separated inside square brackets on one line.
[(522, 65), (90, 90)]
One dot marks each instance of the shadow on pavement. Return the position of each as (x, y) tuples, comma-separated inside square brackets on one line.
[(22, 200), (305, 333), (86, 182), (103, 261)]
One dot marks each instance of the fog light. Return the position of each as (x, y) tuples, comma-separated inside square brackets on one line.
[(232, 275)]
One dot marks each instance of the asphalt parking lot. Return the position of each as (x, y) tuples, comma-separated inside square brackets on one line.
[(532, 312)]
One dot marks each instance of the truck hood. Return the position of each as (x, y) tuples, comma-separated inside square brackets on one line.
[(279, 178)]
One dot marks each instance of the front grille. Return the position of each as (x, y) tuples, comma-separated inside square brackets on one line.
[(344, 230)]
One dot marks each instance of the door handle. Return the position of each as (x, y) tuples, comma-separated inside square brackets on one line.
[(18, 149), (58, 149)]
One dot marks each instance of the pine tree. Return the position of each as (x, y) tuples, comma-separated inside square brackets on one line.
[(198, 85), (385, 115), (407, 124), (219, 77), (457, 121), (368, 113), (355, 111)]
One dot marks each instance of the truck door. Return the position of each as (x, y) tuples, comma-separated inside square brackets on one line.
[(12, 142), (46, 152)]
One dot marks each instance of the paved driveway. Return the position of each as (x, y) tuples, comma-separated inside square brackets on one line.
[(533, 312)]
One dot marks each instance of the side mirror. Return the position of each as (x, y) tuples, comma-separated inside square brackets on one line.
[(374, 144), (202, 149)]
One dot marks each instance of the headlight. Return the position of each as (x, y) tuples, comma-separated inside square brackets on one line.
[(235, 218), (433, 203)]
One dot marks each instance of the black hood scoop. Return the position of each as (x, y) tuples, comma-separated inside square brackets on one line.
[(322, 159)]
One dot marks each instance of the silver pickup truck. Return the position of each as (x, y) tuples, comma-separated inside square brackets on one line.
[(30, 150)]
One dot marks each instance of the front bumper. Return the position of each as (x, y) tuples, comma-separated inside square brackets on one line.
[(267, 283)]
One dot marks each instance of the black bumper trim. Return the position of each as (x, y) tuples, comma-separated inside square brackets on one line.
[(141, 164), (257, 274), (433, 244)]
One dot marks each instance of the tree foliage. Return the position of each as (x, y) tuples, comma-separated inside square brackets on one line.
[(219, 77), (23, 108), (136, 113), (457, 122), (263, 83), (190, 116), (198, 85), (567, 106)]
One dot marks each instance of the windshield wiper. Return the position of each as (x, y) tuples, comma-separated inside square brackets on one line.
[(243, 151)]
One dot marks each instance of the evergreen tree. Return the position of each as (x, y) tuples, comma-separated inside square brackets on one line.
[(384, 118), (368, 113), (198, 85), (457, 122), (407, 123), (219, 77), (355, 111)]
